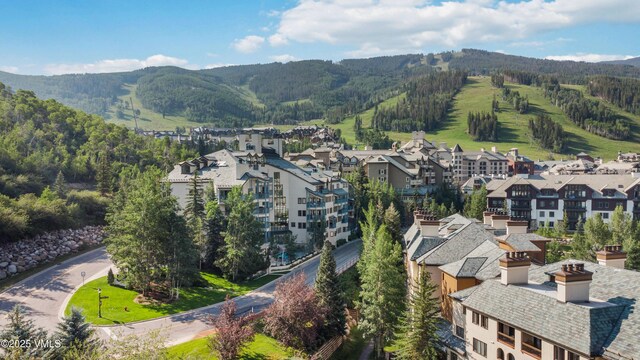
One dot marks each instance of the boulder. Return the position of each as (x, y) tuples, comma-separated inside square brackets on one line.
[(12, 269), (3, 274), (4, 264)]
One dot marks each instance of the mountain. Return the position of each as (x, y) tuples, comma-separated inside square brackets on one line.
[(633, 62), (276, 93)]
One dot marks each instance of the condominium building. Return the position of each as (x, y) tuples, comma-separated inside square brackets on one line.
[(288, 198), (542, 199), (562, 311)]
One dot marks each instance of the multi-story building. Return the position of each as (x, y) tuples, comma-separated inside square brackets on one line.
[(288, 199), (562, 311), (466, 164), (542, 199)]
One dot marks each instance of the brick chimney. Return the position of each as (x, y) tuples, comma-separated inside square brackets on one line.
[(573, 283), (613, 256), (517, 227), (486, 217), (514, 268)]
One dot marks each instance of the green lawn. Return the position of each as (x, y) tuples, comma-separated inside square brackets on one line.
[(477, 95), (261, 348), (118, 298)]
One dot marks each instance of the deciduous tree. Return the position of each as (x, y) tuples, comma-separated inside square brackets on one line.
[(233, 332)]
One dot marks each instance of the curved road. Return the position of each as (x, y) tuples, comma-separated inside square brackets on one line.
[(45, 295)]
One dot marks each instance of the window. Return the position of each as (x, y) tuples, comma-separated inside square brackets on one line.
[(531, 345), (605, 215), (552, 214), (479, 347), (302, 212), (562, 354), (302, 200), (293, 224), (475, 317), (408, 179), (500, 354), (460, 332), (302, 225), (454, 356), (511, 357), (484, 322), (506, 334), (541, 213)]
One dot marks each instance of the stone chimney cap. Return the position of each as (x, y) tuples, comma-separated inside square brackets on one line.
[(515, 259), (611, 252)]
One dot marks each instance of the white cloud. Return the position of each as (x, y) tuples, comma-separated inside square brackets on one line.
[(217, 65), (248, 44), (9, 69), (284, 58), (539, 43), (373, 27), (589, 57), (115, 65)]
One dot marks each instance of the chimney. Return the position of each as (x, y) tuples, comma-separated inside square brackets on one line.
[(514, 268), (494, 149), (499, 222), (517, 227), (486, 217), (573, 283), (429, 226), (613, 256)]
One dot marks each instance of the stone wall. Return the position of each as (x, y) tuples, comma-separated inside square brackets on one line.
[(23, 255)]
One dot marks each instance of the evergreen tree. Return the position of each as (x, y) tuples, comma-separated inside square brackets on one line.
[(241, 255), (383, 289), (194, 208), (554, 252), (329, 294), (215, 227), (22, 329), (477, 203), (60, 185), (74, 331), (104, 176), (392, 221), (110, 277), (581, 247), (417, 338), (147, 239), (359, 181)]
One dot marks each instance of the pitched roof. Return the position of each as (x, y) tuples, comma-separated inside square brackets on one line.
[(488, 268), (460, 243), (457, 148), (617, 286), (535, 309), (426, 244), (522, 242)]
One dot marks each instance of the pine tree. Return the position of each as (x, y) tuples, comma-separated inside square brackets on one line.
[(194, 208), (104, 177), (21, 328), (215, 227), (329, 294), (110, 277), (60, 185), (417, 338), (392, 221), (383, 289), (241, 255), (74, 331)]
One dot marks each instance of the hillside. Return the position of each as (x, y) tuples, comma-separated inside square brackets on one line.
[(633, 62), (264, 93), (477, 95)]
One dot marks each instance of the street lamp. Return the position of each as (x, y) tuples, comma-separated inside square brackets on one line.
[(99, 302)]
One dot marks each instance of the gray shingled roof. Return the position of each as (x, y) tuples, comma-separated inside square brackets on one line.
[(582, 328), (463, 294), (426, 244), (448, 339), (616, 286), (522, 242), (489, 269), (461, 243), (470, 267)]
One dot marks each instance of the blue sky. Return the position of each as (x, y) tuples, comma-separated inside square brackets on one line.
[(55, 37)]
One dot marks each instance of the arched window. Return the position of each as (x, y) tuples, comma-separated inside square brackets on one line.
[(500, 354), (511, 357)]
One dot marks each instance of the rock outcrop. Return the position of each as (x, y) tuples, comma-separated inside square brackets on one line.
[(19, 256)]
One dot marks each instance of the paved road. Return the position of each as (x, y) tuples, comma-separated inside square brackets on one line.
[(183, 327), (43, 295)]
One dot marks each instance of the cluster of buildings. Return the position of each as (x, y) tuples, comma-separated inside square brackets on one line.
[(500, 300)]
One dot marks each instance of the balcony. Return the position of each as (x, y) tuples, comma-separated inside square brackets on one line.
[(508, 340), (531, 350), (315, 205)]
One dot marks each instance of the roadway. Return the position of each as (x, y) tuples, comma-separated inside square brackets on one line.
[(45, 295)]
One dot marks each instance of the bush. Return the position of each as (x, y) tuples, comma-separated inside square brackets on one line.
[(110, 277), (92, 207)]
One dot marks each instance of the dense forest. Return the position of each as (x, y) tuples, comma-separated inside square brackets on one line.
[(548, 133), (425, 105), (47, 150), (483, 126), (590, 115), (248, 94), (513, 97), (624, 93)]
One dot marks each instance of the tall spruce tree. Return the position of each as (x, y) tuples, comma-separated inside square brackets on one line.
[(104, 176), (60, 185), (194, 207), (74, 332), (417, 338), (382, 298), (392, 221), (22, 329), (241, 254), (215, 227), (329, 294)]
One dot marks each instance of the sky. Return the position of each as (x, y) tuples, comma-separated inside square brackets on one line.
[(48, 37)]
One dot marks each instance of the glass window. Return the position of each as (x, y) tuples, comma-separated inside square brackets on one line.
[(552, 214), (541, 213), (479, 347), (460, 332), (475, 317)]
